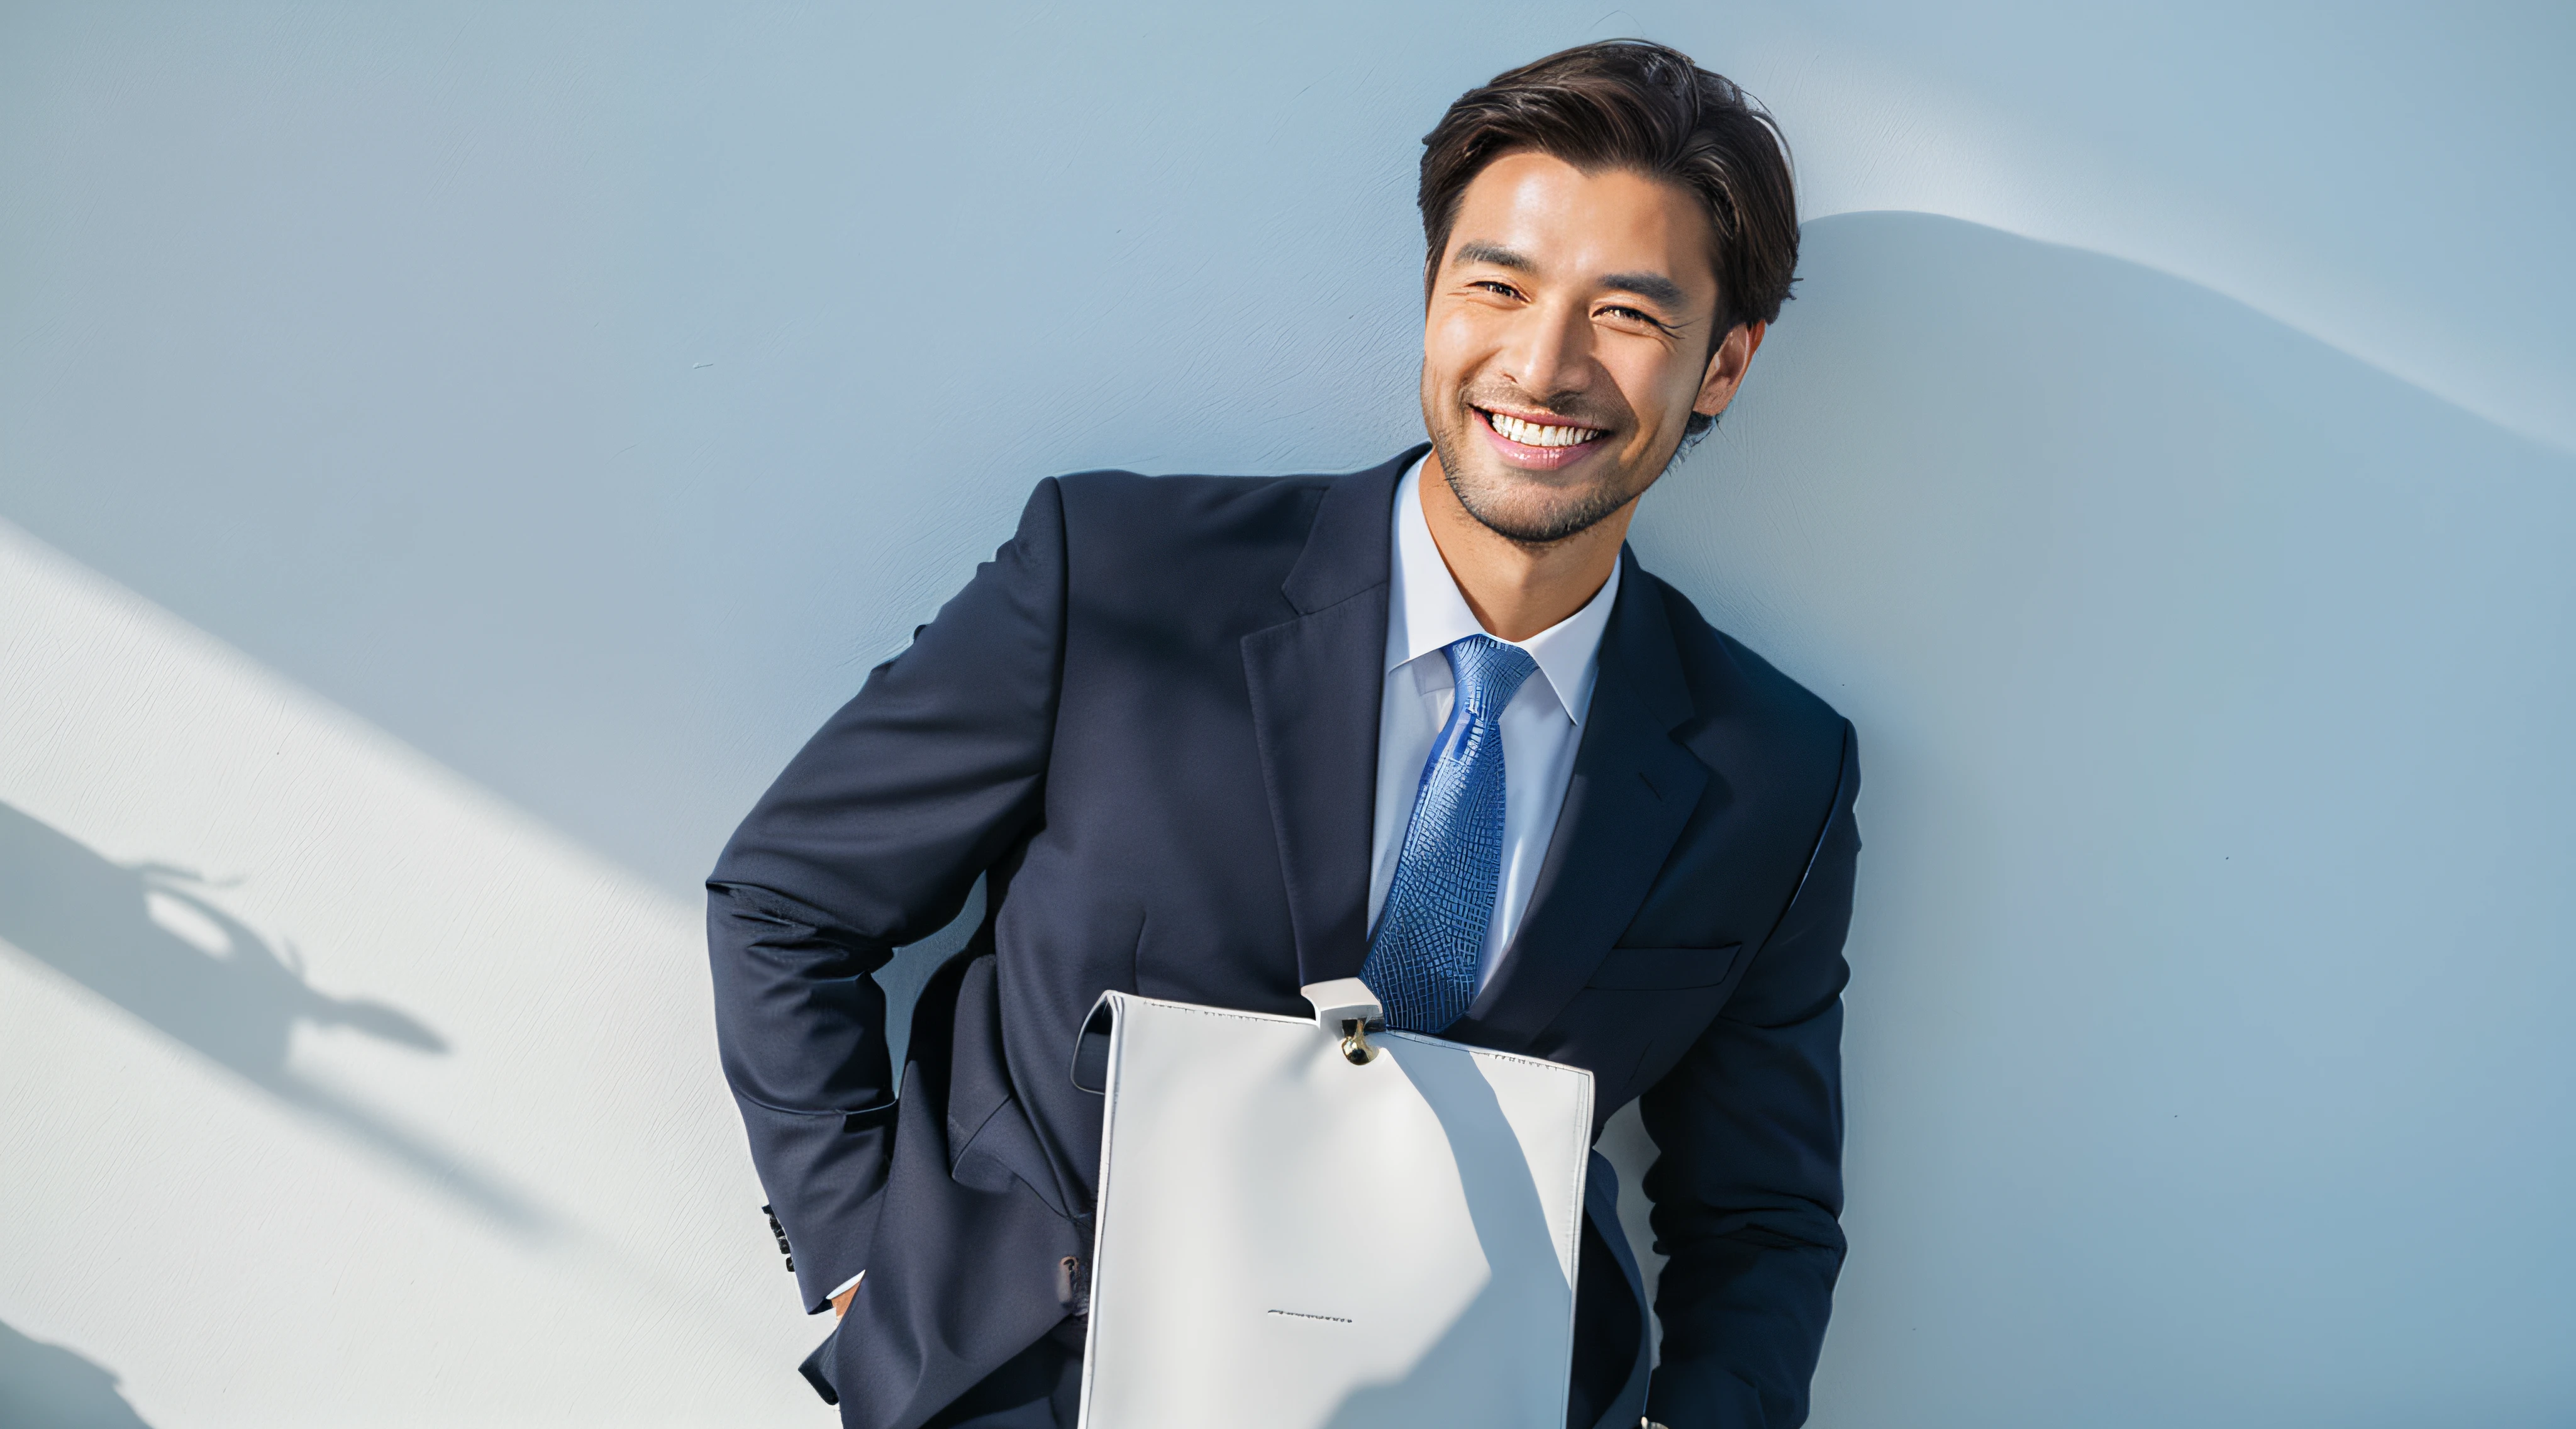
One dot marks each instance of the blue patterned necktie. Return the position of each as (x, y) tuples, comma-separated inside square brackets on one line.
[(1431, 934)]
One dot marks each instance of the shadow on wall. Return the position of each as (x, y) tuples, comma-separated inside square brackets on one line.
[(45, 1386), (2213, 690), (148, 939)]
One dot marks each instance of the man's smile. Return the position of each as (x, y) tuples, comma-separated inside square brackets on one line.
[(1538, 445)]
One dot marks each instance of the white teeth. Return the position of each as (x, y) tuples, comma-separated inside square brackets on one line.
[(1531, 434)]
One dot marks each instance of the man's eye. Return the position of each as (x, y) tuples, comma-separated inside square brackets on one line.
[(1498, 289), (1639, 316)]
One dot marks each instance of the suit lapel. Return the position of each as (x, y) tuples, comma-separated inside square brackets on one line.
[(1316, 683), (1632, 790)]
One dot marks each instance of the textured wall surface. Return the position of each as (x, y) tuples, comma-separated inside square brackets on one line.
[(450, 455)]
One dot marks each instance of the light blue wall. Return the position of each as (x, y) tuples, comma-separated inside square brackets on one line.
[(2169, 462)]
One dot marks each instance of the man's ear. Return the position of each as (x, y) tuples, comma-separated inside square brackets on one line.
[(1726, 367)]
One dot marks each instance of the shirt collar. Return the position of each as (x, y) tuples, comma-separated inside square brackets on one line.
[(1425, 612)]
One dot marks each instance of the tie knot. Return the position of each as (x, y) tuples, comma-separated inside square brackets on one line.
[(1488, 673)]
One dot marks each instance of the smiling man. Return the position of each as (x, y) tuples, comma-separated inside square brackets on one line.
[(1213, 739)]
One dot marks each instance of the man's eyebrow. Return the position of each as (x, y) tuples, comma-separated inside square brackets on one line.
[(1654, 287), (1473, 251)]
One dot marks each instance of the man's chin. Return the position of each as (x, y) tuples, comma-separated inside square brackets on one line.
[(1540, 529), (1537, 517)]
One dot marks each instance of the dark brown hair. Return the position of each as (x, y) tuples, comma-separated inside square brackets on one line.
[(1633, 104)]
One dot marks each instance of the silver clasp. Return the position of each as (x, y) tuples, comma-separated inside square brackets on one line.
[(1345, 1008)]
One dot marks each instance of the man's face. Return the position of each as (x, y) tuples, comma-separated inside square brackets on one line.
[(1566, 342)]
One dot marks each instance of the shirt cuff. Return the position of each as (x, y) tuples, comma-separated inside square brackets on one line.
[(846, 1286)]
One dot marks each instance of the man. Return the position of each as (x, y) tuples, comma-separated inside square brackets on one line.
[(1213, 739)]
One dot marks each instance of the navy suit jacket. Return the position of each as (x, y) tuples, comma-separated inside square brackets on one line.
[(1150, 721)]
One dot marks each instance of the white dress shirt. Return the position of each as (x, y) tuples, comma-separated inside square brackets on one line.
[(1541, 726)]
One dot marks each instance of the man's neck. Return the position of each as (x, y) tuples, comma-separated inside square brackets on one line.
[(1518, 590)]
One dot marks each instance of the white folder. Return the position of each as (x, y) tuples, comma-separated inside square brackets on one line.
[(1305, 1223)]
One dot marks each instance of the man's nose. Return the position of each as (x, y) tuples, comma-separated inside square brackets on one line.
[(1551, 350)]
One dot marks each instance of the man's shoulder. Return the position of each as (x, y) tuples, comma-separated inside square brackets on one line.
[(1150, 531), (1128, 507), (1736, 692)]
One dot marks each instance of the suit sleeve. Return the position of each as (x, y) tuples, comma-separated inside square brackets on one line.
[(1747, 1188), (871, 839)]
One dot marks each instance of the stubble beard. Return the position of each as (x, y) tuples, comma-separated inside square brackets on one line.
[(1503, 505)]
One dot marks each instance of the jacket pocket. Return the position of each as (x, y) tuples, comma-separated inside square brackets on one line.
[(1663, 969)]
